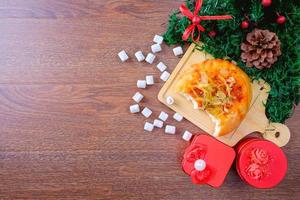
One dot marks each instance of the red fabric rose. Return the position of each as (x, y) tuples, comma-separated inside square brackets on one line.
[(258, 164), (196, 153)]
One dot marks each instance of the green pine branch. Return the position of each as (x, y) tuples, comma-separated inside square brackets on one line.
[(284, 76)]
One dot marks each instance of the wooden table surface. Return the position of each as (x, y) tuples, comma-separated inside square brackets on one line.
[(65, 127)]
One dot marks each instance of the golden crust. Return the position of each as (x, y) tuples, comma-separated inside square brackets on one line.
[(220, 88)]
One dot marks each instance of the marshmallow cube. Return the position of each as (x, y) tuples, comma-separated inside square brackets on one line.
[(148, 127), (161, 66), (187, 136), (177, 117), (150, 58), (163, 116), (165, 76), (123, 56), (137, 97), (178, 51), (149, 80), (158, 123), (170, 129), (170, 100), (158, 39), (146, 112), (155, 48), (134, 108), (139, 56), (141, 84)]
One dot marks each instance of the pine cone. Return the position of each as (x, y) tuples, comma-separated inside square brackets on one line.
[(260, 49)]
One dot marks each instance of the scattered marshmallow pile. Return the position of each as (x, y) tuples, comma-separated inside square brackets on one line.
[(149, 80)]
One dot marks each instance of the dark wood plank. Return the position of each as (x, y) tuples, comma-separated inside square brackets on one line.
[(65, 129)]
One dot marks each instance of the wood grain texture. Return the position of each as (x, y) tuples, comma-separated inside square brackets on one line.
[(65, 129)]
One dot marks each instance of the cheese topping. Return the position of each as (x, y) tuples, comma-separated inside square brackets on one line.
[(207, 93)]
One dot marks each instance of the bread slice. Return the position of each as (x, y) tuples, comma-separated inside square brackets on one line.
[(219, 88)]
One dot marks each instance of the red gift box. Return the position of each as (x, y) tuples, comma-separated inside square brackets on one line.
[(207, 160), (260, 163)]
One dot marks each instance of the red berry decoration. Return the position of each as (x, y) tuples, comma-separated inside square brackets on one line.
[(244, 24), (281, 19), (212, 34), (266, 3)]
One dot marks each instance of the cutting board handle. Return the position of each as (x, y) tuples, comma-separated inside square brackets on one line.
[(277, 133)]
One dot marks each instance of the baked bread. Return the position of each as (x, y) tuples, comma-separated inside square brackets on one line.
[(221, 89)]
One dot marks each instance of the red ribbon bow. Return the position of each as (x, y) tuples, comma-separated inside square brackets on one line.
[(197, 19), (198, 177)]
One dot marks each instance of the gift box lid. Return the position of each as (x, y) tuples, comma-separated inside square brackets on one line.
[(261, 163), (207, 160)]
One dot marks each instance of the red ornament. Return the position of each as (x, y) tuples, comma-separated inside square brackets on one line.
[(195, 19), (281, 19), (244, 24), (266, 3), (212, 34)]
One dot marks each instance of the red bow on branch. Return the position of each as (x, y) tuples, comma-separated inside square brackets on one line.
[(197, 19)]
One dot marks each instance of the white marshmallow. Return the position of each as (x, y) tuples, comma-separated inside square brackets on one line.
[(148, 127), (158, 123), (150, 58), (158, 39), (155, 48), (163, 116), (123, 56), (170, 100), (177, 51), (187, 136), (137, 97), (149, 80), (161, 66), (165, 76), (141, 84), (146, 112), (134, 108), (139, 56), (177, 117), (170, 129)]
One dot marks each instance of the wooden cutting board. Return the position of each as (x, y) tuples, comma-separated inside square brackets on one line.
[(255, 120)]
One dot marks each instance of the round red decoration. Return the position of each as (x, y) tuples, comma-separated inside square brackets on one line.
[(261, 163), (281, 19), (212, 34), (266, 3), (244, 24), (196, 20)]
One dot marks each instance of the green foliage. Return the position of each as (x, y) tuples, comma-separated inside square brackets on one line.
[(284, 76)]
